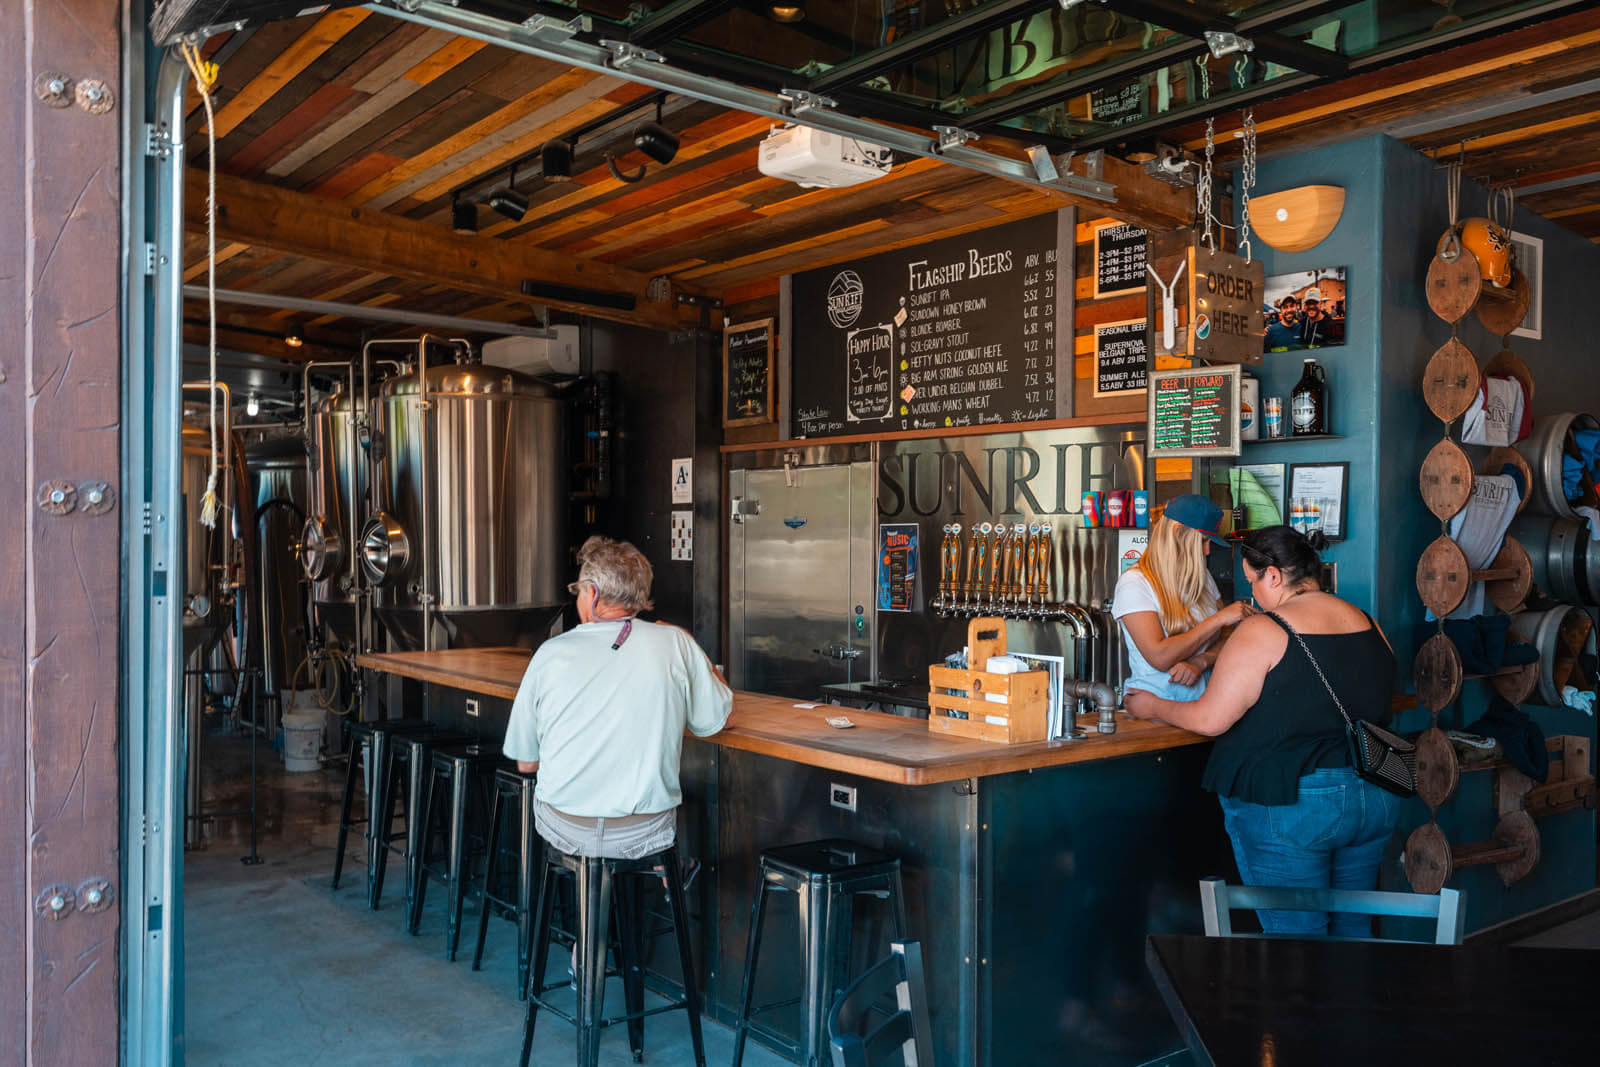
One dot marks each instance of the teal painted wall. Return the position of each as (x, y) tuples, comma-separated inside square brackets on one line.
[(1394, 212)]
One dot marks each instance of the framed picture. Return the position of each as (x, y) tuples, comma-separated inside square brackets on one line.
[(1317, 495), (1305, 310), (1265, 485), (1530, 261)]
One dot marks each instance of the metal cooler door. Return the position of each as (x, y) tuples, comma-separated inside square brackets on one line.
[(800, 578)]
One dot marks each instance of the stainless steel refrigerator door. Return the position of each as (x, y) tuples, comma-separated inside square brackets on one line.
[(800, 572)]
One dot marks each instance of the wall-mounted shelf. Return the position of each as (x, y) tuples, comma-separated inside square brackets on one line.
[(1301, 437)]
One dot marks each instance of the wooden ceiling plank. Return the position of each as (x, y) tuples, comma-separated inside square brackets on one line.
[(241, 67), (766, 255), (1538, 130), (305, 225), (327, 104), (225, 253), (322, 35), (670, 229), (404, 59)]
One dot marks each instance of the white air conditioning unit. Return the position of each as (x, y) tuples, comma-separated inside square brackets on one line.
[(819, 159), (539, 356)]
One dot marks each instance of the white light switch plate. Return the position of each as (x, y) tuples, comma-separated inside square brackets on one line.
[(683, 535)]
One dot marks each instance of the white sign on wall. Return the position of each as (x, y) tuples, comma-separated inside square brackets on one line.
[(683, 481)]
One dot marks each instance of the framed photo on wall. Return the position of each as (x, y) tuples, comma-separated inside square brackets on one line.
[(1530, 261), (1318, 494)]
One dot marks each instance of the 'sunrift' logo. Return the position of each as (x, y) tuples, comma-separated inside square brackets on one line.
[(844, 298)]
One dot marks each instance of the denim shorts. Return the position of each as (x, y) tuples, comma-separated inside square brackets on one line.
[(629, 837), (1334, 836)]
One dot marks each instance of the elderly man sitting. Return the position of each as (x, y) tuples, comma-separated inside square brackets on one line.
[(601, 713)]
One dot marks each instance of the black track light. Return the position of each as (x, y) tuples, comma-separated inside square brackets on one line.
[(656, 141), (508, 202), (555, 161), (464, 216)]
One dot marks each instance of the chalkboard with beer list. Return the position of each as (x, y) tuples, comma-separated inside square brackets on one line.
[(1194, 412), (1121, 357), (747, 373), (958, 332)]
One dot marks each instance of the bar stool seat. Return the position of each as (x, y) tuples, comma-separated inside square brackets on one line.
[(513, 789), (411, 754), (371, 738), (825, 876), (457, 773), (602, 887)]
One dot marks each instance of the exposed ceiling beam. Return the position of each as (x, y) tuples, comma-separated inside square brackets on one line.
[(1504, 103), (305, 225), (364, 311), (1553, 185), (1192, 21)]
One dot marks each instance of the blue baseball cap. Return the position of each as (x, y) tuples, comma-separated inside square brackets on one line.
[(1197, 513)]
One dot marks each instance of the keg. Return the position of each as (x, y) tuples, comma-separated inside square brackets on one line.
[(1566, 562), (1543, 450), (1562, 634)]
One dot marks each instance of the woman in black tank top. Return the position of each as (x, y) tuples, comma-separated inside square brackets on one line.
[(1295, 810)]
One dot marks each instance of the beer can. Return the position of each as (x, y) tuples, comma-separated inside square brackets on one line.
[(1141, 508), (1272, 421), (1249, 408), (1117, 508), (1091, 507)]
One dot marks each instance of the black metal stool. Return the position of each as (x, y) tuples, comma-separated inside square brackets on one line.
[(826, 876), (455, 769), (414, 754), (372, 738), (600, 885), (515, 788)]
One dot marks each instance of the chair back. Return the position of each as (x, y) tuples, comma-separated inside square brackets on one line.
[(903, 1037), (1218, 898)]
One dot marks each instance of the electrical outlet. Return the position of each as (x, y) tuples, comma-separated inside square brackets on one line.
[(472, 706), (842, 796), (1330, 577)]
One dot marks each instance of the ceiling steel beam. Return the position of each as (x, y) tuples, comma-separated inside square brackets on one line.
[(943, 34), (1189, 20), (675, 20), (363, 311), (1057, 90)]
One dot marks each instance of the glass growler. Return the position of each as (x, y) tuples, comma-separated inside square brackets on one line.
[(1308, 405)]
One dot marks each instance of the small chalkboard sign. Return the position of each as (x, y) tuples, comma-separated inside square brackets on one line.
[(1121, 357), (747, 381), (1119, 259), (1118, 105), (1194, 412)]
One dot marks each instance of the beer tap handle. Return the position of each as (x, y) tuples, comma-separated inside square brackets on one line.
[(995, 552), (1002, 571), (1044, 565), (972, 550), (1030, 578), (1019, 556), (983, 559)]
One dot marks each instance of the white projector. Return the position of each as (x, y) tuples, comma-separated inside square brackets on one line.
[(539, 356), (819, 159)]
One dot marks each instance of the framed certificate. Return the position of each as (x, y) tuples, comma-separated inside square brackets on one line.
[(1317, 493)]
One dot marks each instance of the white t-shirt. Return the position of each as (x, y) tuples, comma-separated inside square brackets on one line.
[(1134, 594), (606, 725)]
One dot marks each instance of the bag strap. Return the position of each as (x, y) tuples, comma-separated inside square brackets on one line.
[(1275, 617)]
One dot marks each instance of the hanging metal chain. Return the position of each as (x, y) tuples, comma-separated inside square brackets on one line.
[(1205, 77), (1247, 182), (1202, 189)]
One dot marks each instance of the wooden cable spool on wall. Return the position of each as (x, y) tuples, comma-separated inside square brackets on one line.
[(1431, 861), (1457, 286), (1443, 576)]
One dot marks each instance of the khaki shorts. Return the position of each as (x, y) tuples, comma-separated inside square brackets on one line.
[(628, 837)]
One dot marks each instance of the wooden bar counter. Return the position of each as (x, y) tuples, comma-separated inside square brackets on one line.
[(884, 747), (1032, 871)]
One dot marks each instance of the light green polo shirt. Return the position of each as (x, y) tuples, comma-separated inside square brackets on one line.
[(606, 726)]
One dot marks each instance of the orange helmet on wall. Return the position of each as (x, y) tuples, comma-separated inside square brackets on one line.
[(1490, 245)]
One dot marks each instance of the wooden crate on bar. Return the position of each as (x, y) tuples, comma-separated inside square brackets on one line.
[(1025, 715)]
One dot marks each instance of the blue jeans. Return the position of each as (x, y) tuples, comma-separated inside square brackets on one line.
[(1333, 836)]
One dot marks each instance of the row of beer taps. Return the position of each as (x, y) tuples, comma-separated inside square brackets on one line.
[(1007, 572)]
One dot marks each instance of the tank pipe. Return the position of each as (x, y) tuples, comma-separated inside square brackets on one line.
[(227, 465), (1104, 696), (350, 430), (426, 408)]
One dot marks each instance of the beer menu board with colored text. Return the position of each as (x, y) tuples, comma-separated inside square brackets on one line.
[(1194, 412), (1119, 260), (959, 332)]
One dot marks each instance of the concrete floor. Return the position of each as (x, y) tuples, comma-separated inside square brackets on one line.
[(280, 969)]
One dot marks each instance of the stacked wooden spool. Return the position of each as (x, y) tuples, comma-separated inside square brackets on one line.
[(1450, 384)]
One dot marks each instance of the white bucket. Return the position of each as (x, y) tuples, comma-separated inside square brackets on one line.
[(302, 740)]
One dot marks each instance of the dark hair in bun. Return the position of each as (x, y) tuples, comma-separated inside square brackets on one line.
[(1293, 553)]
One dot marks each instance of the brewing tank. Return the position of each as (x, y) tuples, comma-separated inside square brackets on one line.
[(205, 613), (327, 540), (471, 499), (276, 605)]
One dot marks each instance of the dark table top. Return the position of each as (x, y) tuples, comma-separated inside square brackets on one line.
[(1292, 1003)]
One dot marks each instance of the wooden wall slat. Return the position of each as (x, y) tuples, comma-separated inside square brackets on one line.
[(323, 35)]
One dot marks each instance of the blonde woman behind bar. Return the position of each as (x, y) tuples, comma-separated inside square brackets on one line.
[(1167, 603)]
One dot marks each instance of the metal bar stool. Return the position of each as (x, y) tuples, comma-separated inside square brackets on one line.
[(602, 883), (825, 877), (413, 753), (371, 738), (454, 771), (512, 787)]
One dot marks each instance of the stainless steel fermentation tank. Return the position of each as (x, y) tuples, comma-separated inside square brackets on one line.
[(336, 482), (470, 496), (276, 604)]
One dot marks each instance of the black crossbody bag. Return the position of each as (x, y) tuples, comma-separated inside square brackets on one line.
[(1380, 756)]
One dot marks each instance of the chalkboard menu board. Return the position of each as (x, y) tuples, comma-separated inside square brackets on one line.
[(1121, 357), (1119, 259), (1118, 105), (747, 373), (1194, 412), (960, 332)]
